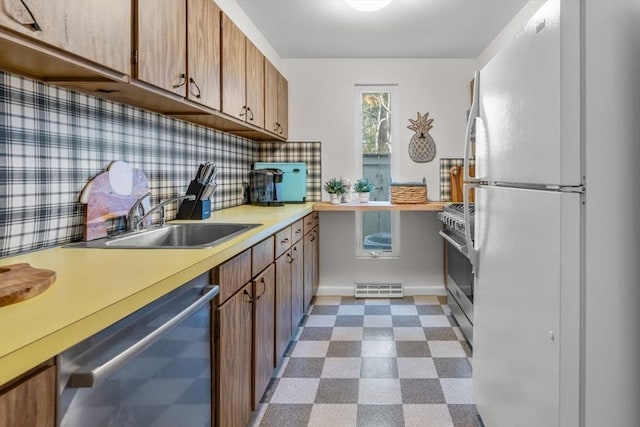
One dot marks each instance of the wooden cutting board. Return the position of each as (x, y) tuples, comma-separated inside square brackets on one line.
[(19, 282), (457, 179)]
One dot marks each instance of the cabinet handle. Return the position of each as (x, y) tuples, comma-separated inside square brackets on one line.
[(281, 129), (298, 231), (275, 129), (290, 261), (183, 81), (264, 288), (249, 110), (33, 24), (193, 82), (244, 111), (246, 293), (286, 240)]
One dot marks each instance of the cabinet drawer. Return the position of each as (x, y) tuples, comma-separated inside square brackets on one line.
[(297, 230), (310, 221), (262, 255), (283, 241), (233, 274)]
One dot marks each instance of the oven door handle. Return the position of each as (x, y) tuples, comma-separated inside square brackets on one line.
[(458, 246), (83, 379)]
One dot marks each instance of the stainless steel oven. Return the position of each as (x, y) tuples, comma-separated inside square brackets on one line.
[(152, 368), (459, 271)]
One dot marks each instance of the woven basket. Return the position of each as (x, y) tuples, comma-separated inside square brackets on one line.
[(411, 193)]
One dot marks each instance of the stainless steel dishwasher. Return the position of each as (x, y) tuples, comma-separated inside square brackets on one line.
[(152, 368)]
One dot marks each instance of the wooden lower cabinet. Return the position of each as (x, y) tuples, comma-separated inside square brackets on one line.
[(264, 296), (311, 266), (233, 350), (30, 402), (284, 327), (297, 284)]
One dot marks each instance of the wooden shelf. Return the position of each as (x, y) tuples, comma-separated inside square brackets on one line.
[(379, 206)]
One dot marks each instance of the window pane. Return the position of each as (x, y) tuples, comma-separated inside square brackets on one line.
[(376, 167)]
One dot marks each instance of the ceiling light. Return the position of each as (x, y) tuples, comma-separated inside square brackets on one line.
[(368, 5)]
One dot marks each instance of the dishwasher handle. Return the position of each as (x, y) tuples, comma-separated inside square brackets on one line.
[(83, 379)]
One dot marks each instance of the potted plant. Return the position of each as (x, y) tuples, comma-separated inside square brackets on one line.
[(335, 188), (363, 187)]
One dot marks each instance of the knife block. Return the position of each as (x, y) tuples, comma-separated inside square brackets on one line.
[(195, 209)]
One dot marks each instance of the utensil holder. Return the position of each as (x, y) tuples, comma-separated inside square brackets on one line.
[(195, 209)]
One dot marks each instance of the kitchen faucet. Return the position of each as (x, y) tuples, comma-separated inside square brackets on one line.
[(134, 221)]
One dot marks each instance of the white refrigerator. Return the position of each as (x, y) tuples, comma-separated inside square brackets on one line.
[(528, 238)]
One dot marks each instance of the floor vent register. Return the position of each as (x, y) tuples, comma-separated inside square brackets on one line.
[(379, 290)]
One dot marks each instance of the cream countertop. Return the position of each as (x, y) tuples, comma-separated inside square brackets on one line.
[(97, 287)]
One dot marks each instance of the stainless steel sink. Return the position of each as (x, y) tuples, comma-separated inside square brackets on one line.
[(171, 236)]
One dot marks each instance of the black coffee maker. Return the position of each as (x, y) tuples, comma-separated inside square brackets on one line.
[(265, 187)]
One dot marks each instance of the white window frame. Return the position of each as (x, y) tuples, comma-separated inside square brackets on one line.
[(362, 253)]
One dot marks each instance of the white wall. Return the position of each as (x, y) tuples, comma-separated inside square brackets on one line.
[(322, 108), (504, 36)]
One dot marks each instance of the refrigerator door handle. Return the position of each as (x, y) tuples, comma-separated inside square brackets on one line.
[(473, 115), (472, 252)]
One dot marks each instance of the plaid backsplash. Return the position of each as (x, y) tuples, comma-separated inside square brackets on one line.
[(52, 141), (445, 178), (303, 152)]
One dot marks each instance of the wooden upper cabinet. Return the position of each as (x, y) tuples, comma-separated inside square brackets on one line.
[(276, 89), (283, 107), (233, 69), (97, 30), (203, 38), (162, 44), (255, 85), (270, 97)]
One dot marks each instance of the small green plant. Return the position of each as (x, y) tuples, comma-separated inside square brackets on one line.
[(363, 185), (334, 186)]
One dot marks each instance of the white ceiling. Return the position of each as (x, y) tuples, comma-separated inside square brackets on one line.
[(404, 29)]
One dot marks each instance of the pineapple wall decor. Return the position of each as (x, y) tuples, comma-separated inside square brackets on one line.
[(422, 148)]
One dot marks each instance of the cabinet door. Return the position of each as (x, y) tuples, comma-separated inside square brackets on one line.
[(264, 295), (283, 106), (31, 402), (315, 279), (203, 27), (97, 30), (308, 251), (162, 44), (233, 69), (270, 97), (283, 303), (255, 85), (297, 284), (234, 395)]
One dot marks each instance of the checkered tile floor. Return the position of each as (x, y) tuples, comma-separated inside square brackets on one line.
[(373, 362)]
